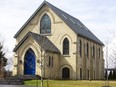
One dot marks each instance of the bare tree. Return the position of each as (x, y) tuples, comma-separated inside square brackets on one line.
[(113, 50), (110, 58), (113, 57), (106, 51)]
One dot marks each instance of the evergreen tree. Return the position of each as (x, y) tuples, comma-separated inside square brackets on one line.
[(3, 60)]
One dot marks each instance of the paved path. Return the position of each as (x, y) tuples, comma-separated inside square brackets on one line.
[(15, 86)]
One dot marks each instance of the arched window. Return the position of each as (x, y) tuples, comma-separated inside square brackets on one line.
[(99, 53), (87, 50), (81, 73), (45, 24), (50, 61), (94, 74), (93, 51), (88, 73), (80, 48), (66, 47)]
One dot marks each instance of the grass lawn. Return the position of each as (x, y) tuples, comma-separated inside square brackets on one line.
[(70, 83)]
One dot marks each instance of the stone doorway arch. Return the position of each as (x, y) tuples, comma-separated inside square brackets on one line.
[(65, 73), (29, 62)]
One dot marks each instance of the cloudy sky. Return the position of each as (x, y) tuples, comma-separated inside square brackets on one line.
[(97, 15)]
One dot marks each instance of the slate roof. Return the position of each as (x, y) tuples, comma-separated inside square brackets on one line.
[(43, 41), (77, 26)]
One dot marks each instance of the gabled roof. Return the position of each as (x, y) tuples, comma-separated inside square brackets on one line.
[(43, 41), (77, 26)]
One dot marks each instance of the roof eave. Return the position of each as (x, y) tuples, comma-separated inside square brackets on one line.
[(25, 38), (92, 40)]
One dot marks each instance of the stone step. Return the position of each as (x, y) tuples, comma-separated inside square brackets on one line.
[(24, 77), (18, 79), (11, 82)]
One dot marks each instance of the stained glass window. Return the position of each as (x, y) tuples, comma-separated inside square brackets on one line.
[(45, 24)]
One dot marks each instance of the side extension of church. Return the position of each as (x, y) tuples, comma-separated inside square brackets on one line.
[(60, 43)]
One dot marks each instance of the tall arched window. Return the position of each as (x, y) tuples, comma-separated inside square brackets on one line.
[(94, 74), (45, 24), (99, 53), (87, 50), (81, 73), (66, 47), (93, 51), (80, 48), (88, 73)]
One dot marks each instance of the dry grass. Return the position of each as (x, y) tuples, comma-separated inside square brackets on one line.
[(71, 83)]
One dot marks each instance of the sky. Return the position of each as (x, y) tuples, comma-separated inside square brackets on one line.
[(97, 15)]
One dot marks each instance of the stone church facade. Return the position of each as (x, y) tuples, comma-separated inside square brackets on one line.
[(59, 43)]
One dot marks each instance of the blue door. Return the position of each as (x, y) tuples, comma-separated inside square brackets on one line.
[(29, 63)]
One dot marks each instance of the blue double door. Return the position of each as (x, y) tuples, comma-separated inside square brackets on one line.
[(29, 62)]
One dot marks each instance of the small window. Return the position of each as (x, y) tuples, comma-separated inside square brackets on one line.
[(45, 24), (66, 47), (64, 16), (50, 61)]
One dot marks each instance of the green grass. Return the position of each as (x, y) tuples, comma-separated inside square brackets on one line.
[(70, 83)]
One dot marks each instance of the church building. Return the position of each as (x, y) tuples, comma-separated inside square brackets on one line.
[(56, 45)]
